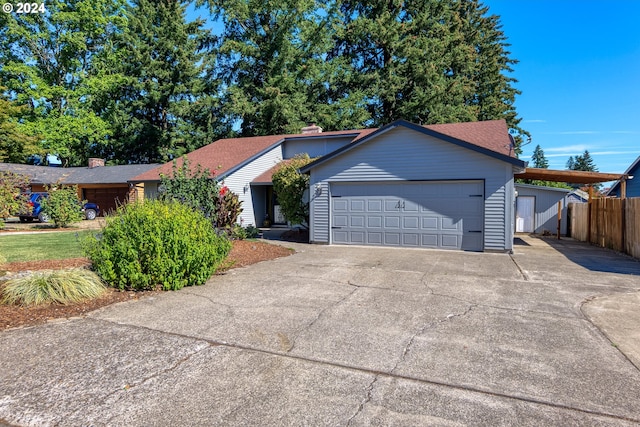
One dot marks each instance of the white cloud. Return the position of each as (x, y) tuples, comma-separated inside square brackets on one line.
[(535, 121), (578, 132), (578, 147)]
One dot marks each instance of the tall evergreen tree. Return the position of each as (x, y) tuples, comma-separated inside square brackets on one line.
[(583, 162), (538, 159), (429, 61), (162, 108), (275, 69), (46, 63)]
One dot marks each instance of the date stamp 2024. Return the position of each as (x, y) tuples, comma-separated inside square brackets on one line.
[(24, 8)]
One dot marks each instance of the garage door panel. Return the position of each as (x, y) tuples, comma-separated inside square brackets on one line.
[(357, 205), (412, 214), (451, 241), (374, 205), (410, 222), (374, 222), (374, 238), (357, 221), (429, 223), (392, 222), (340, 220), (392, 239), (430, 240)]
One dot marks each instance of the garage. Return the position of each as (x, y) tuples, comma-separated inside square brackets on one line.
[(107, 198), (426, 214)]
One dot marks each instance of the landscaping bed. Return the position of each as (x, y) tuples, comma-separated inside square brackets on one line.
[(243, 253)]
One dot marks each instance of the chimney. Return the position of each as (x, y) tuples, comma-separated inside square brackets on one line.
[(311, 128), (95, 163)]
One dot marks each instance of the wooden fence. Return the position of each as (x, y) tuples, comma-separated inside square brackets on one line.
[(615, 224)]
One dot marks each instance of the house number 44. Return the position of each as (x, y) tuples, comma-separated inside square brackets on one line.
[(400, 205)]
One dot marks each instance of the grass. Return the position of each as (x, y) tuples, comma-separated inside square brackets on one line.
[(61, 287), (42, 246)]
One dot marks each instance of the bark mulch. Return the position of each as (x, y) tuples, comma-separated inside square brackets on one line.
[(242, 254)]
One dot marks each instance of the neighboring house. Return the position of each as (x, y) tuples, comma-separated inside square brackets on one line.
[(578, 196), (633, 185), (537, 208), (108, 186), (445, 186)]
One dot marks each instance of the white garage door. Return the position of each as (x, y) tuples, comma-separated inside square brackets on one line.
[(443, 214)]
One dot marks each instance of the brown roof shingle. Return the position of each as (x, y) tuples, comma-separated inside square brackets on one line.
[(224, 155)]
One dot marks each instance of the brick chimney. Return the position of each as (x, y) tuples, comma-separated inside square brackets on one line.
[(95, 163), (311, 128)]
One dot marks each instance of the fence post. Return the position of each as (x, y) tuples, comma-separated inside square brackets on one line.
[(589, 203), (623, 208), (559, 217)]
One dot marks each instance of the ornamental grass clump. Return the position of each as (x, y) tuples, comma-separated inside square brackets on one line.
[(59, 286), (156, 244)]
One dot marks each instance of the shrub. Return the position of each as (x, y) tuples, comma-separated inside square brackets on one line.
[(290, 185), (156, 243), (251, 232), (11, 200), (228, 208), (63, 205), (62, 287), (191, 186)]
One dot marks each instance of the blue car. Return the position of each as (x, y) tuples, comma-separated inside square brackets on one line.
[(90, 210)]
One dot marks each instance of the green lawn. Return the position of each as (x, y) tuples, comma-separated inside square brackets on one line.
[(41, 246)]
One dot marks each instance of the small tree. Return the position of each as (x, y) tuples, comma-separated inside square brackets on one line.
[(290, 186), (195, 188), (63, 205), (199, 190), (11, 200), (538, 159)]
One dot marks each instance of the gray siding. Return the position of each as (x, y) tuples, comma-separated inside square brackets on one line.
[(546, 207), (314, 147), (241, 179), (403, 154)]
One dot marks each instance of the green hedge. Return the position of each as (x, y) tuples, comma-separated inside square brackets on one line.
[(156, 243)]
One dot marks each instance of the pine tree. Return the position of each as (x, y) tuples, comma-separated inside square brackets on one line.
[(274, 65), (162, 108), (584, 162), (571, 163), (428, 61), (538, 159)]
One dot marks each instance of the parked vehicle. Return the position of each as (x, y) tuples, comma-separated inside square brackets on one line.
[(90, 210)]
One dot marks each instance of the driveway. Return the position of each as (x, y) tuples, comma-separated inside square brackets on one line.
[(348, 336)]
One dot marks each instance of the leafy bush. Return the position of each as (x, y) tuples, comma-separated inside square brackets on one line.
[(228, 208), (62, 287), (11, 199), (194, 187), (63, 205), (156, 243), (251, 232), (198, 189), (290, 185)]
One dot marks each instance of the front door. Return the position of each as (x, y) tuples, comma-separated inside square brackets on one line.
[(524, 214)]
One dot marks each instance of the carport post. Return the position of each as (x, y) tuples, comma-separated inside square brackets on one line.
[(589, 202), (559, 217)]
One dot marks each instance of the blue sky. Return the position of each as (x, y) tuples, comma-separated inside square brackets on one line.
[(579, 73)]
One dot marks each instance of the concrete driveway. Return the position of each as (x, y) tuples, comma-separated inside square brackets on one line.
[(349, 336)]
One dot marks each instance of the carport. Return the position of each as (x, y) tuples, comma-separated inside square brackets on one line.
[(575, 177)]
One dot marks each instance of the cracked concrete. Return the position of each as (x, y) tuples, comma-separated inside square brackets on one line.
[(349, 336)]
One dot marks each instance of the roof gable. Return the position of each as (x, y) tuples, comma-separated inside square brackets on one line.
[(490, 138), (631, 170)]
